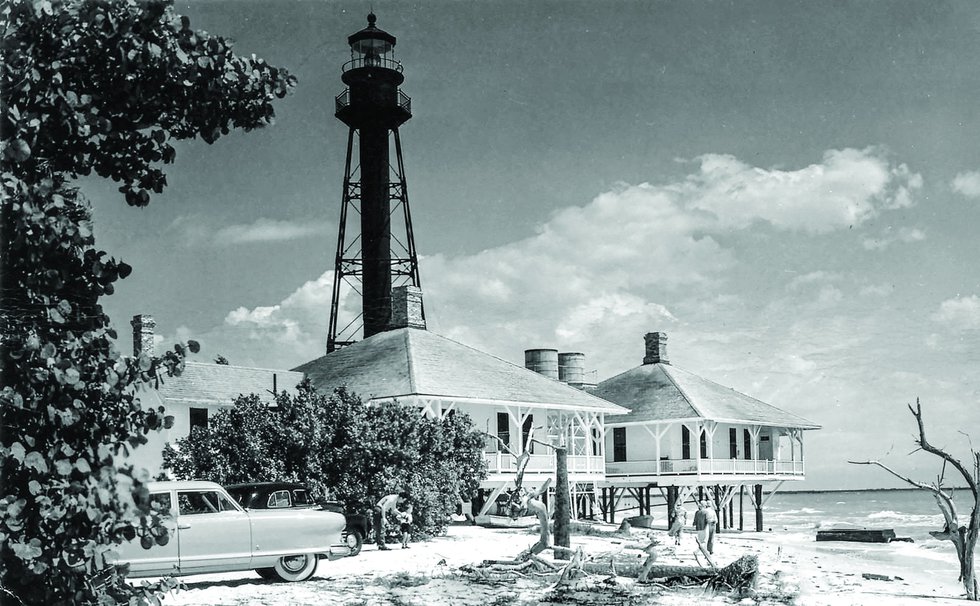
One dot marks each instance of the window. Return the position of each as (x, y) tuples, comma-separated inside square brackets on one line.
[(199, 418), (301, 498), (733, 443), (747, 439), (278, 499), (526, 431), (685, 442), (704, 444), (199, 502), (161, 503), (619, 444), (503, 428)]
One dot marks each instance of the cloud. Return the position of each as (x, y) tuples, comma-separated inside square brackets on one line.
[(904, 235), (847, 188), (967, 183), (281, 335), (612, 269), (262, 230), (268, 230), (814, 277), (961, 313), (877, 290)]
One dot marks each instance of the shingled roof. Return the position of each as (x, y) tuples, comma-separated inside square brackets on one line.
[(220, 384), (662, 392), (415, 362)]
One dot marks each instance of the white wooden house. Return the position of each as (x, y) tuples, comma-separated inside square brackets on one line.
[(201, 390), (414, 367), (686, 432)]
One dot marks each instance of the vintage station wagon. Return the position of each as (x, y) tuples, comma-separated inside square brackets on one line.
[(210, 532)]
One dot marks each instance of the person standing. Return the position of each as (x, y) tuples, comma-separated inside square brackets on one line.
[(712, 525), (387, 506), (701, 524), (405, 520), (680, 521)]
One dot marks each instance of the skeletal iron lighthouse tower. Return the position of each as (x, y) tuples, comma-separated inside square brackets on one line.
[(377, 258)]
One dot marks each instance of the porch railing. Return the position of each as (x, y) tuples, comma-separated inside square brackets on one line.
[(668, 467), (498, 462)]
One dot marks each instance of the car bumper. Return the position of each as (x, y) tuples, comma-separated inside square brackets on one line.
[(337, 551)]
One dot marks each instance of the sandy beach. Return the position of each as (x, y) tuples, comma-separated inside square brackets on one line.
[(793, 570)]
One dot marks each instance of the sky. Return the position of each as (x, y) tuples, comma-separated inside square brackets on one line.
[(789, 189)]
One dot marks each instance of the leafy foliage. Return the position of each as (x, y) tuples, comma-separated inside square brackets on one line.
[(104, 87), (340, 446)]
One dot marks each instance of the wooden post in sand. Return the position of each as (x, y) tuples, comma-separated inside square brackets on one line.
[(741, 508), (562, 508), (717, 507), (671, 504), (758, 507)]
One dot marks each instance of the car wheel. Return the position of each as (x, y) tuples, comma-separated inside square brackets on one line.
[(354, 540), (268, 574), (296, 568)]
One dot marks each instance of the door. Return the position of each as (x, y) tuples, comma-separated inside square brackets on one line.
[(765, 447), (213, 533), (158, 559)]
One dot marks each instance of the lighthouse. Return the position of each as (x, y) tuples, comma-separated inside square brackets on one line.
[(382, 254)]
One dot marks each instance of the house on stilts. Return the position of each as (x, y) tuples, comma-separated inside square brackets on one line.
[(687, 437), (409, 365)]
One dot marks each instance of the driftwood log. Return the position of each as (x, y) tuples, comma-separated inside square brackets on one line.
[(739, 573)]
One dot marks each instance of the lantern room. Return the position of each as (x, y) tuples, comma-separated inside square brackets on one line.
[(372, 47)]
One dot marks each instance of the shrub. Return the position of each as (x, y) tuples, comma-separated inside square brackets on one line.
[(338, 445)]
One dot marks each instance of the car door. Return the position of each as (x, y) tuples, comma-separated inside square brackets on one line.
[(158, 559), (212, 531)]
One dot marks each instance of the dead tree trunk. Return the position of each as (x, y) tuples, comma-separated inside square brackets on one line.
[(964, 538)]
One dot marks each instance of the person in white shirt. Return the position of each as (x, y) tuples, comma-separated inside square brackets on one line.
[(387, 506)]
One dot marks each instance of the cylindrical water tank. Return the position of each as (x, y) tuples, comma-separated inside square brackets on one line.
[(571, 367), (542, 361)]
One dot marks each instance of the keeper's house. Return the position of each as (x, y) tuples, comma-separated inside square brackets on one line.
[(201, 390), (687, 433), (414, 367)]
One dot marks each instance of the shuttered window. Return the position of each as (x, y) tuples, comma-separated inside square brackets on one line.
[(503, 428), (619, 444)]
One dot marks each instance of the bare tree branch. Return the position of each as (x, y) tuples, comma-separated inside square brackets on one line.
[(926, 446)]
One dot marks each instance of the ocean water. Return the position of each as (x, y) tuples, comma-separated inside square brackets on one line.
[(910, 513)]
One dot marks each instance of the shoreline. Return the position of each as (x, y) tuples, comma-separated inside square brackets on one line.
[(791, 571)]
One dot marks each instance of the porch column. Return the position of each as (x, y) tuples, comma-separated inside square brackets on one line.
[(696, 446), (709, 434), (756, 443), (802, 460)]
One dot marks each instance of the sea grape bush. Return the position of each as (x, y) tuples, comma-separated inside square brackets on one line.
[(336, 444), (89, 86)]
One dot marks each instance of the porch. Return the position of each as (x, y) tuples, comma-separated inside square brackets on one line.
[(705, 466), (502, 464)]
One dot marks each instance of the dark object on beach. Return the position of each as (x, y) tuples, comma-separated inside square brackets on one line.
[(876, 577), (861, 535), (904, 539), (738, 575), (640, 521)]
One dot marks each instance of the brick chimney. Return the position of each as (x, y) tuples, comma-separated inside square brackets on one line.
[(656, 348), (406, 308), (143, 326)]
